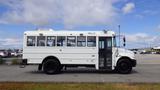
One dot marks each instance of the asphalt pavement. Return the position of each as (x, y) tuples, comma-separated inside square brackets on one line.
[(147, 70)]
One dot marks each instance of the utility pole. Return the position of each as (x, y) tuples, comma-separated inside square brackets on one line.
[(119, 27)]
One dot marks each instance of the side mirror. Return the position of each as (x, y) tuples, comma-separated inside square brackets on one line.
[(124, 41)]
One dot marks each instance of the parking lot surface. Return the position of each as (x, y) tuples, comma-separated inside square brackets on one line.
[(147, 70)]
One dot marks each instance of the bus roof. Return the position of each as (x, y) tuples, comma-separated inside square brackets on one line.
[(69, 33)]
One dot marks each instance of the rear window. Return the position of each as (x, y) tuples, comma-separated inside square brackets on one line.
[(31, 40)]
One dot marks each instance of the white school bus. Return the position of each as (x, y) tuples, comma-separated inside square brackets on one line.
[(53, 50)]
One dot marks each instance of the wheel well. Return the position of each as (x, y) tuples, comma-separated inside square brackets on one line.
[(50, 57), (122, 59)]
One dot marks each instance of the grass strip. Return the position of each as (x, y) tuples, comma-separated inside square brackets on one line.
[(79, 86)]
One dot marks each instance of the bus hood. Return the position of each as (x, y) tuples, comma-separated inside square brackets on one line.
[(127, 53)]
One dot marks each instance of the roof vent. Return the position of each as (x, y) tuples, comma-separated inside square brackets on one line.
[(105, 31)]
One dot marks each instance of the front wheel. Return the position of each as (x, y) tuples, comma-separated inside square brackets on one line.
[(124, 67)]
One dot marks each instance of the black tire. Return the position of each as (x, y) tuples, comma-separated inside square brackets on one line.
[(124, 66), (51, 66)]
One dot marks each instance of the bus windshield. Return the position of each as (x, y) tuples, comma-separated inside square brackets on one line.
[(114, 41)]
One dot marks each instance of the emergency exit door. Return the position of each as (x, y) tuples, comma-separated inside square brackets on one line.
[(105, 53)]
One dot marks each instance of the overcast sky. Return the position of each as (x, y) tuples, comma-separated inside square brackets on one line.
[(139, 19)]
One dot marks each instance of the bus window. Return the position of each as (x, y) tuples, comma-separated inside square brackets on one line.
[(51, 41), (71, 41), (61, 41), (91, 41), (31, 40), (40, 40), (81, 41)]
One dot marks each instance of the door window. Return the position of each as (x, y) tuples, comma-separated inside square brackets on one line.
[(109, 42), (101, 44)]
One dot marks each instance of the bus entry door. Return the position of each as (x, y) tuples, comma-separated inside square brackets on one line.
[(105, 53)]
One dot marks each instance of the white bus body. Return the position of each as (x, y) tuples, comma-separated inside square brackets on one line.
[(53, 50)]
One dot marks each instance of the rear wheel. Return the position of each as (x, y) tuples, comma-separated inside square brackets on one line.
[(51, 66), (124, 66)]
